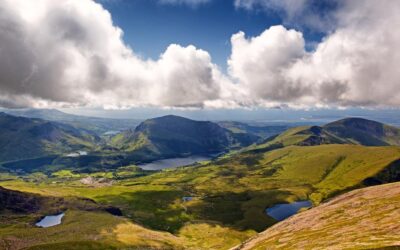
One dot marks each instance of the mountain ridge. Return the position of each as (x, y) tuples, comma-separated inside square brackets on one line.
[(96, 124), (345, 131), (23, 138), (171, 136)]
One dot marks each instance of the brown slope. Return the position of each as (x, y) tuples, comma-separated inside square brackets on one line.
[(367, 218)]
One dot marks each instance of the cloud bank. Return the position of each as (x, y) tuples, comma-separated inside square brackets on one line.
[(69, 53)]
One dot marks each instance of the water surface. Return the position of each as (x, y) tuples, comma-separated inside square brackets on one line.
[(283, 211), (50, 220), (174, 162), (77, 154), (112, 132), (187, 198)]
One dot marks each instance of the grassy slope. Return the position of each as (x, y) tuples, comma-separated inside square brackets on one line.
[(85, 230), (230, 194), (24, 138), (365, 132), (151, 205), (347, 131), (361, 219)]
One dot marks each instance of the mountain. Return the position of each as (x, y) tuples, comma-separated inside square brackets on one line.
[(346, 131), (215, 205), (23, 138), (95, 124), (362, 219), (171, 136), (262, 130), (364, 132)]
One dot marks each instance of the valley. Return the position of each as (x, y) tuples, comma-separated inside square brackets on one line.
[(199, 125), (213, 203)]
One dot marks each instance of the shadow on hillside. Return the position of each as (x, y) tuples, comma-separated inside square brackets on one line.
[(155, 209), (165, 210), (391, 173)]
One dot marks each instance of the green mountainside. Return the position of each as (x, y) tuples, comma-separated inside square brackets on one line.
[(23, 138), (95, 124), (364, 132), (229, 196), (347, 131), (172, 136), (216, 204)]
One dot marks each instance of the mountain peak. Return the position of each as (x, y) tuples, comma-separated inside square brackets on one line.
[(354, 120), (171, 117)]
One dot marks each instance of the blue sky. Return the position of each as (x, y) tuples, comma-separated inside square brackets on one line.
[(150, 26)]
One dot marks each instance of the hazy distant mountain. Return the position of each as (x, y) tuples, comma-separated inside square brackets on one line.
[(95, 124), (261, 130), (22, 138), (170, 136)]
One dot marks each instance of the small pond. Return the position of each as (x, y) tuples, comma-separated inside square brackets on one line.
[(50, 220), (173, 162), (187, 198), (77, 154), (282, 211)]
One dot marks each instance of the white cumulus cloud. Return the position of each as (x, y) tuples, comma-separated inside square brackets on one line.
[(357, 64), (69, 53), (259, 63)]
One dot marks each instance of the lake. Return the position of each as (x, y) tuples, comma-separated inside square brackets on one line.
[(112, 132), (283, 211), (50, 220), (77, 154), (187, 198), (173, 162)]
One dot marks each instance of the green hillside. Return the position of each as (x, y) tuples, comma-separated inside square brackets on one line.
[(235, 191), (86, 225), (23, 138), (95, 124), (364, 132), (229, 195), (211, 205), (172, 136), (347, 131)]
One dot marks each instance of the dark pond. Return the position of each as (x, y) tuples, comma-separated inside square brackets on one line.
[(283, 211)]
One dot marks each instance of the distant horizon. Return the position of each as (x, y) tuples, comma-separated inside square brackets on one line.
[(273, 116)]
